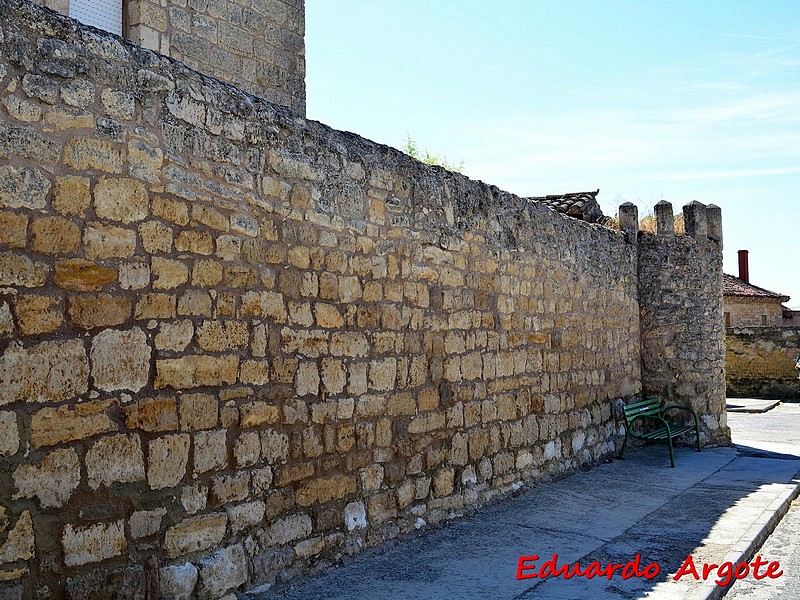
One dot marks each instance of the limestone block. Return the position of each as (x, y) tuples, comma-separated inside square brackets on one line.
[(145, 162), (264, 304), (134, 276), (355, 516), (9, 433), (6, 321), (246, 449), (255, 414), (274, 446), (155, 305), (19, 544), (13, 229), (254, 372), (382, 374), (118, 104), (48, 372), (120, 360), (71, 195), (167, 273), (195, 303), (22, 110), (156, 237), (198, 411), (245, 516), (167, 458), (82, 275), (78, 92), (18, 270), (325, 489), (196, 370), (219, 336), (194, 498), (93, 544), (144, 523), (381, 507), (115, 459), (287, 529), (210, 217), (210, 451), (38, 314), (307, 379), (120, 199), (54, 235), (349, 344), (230, 488), (197, 242), (177, 582), (52, 482), (98, 310), (195, 534), (223, 571), (327, 315), (174, 336), (51, 426), (171, 210), (206, 273), (333, 375), (23, 187), (371, 477)]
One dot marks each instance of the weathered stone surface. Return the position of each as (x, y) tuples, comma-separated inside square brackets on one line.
[(242, 517), (325, 489), (71, 195), (108, 241), (223, 571), (219, 336), (120, 360), (177, 582), (115, 459), (48, 372), (198, 411), (19, 544), (120, 199), (82, 275), (85, 545), (166, 460), (19, 270), (174, 336), (9, 433), (355, 516), (50, 426), (13, 229), (54, 235), (38, 314), (144, 523), (288, 529), (196, 370), (195, 534), (52, 482), (22, 187), (98, 310), (210, 451), (88, 153), (153, 414)]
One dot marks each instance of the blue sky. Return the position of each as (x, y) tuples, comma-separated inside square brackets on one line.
[(645, 100)]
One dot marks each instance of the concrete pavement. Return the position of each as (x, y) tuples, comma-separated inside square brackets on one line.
[(717, 506)]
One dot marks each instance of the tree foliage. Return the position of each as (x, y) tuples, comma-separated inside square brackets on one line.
[(411, 148)]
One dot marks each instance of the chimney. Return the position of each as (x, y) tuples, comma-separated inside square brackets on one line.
[(744, 271)]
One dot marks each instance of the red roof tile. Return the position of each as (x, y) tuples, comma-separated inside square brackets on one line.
[(733, 286)]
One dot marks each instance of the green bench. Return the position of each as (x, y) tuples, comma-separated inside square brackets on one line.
[(650, 410)]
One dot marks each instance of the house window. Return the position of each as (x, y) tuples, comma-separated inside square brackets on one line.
[(727, 319), (763, 320), (105, 14)]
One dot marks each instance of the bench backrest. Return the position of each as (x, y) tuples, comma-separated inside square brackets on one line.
[(649, 406)]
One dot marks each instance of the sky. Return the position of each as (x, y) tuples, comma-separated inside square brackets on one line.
[(679, 100)]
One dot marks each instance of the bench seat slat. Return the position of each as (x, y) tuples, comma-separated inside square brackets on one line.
[(651, 407)]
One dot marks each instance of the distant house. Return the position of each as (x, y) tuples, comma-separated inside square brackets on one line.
[(762, 339), (747, 305)]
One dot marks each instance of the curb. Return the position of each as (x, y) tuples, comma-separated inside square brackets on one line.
[(752, 540)]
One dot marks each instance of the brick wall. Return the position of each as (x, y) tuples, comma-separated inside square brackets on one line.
[(760, 362), (236, 343)]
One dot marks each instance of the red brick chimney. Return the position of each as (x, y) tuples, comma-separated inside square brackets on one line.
[(744, 270)]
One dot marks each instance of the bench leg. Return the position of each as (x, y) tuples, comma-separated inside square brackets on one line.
[(624, 445), (671, 454)]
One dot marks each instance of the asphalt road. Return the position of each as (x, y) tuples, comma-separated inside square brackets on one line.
[(777, 430)]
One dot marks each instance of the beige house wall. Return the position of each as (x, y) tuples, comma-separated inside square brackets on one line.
[(752, 312)]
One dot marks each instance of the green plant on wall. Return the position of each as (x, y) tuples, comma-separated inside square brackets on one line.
[(411, 148)]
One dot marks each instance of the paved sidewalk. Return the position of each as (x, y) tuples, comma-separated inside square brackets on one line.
[(717, 505)]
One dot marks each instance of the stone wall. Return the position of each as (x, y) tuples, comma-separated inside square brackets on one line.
[(760, 362), (257, 45), (236, 343), (680, 296), (754, 312)]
